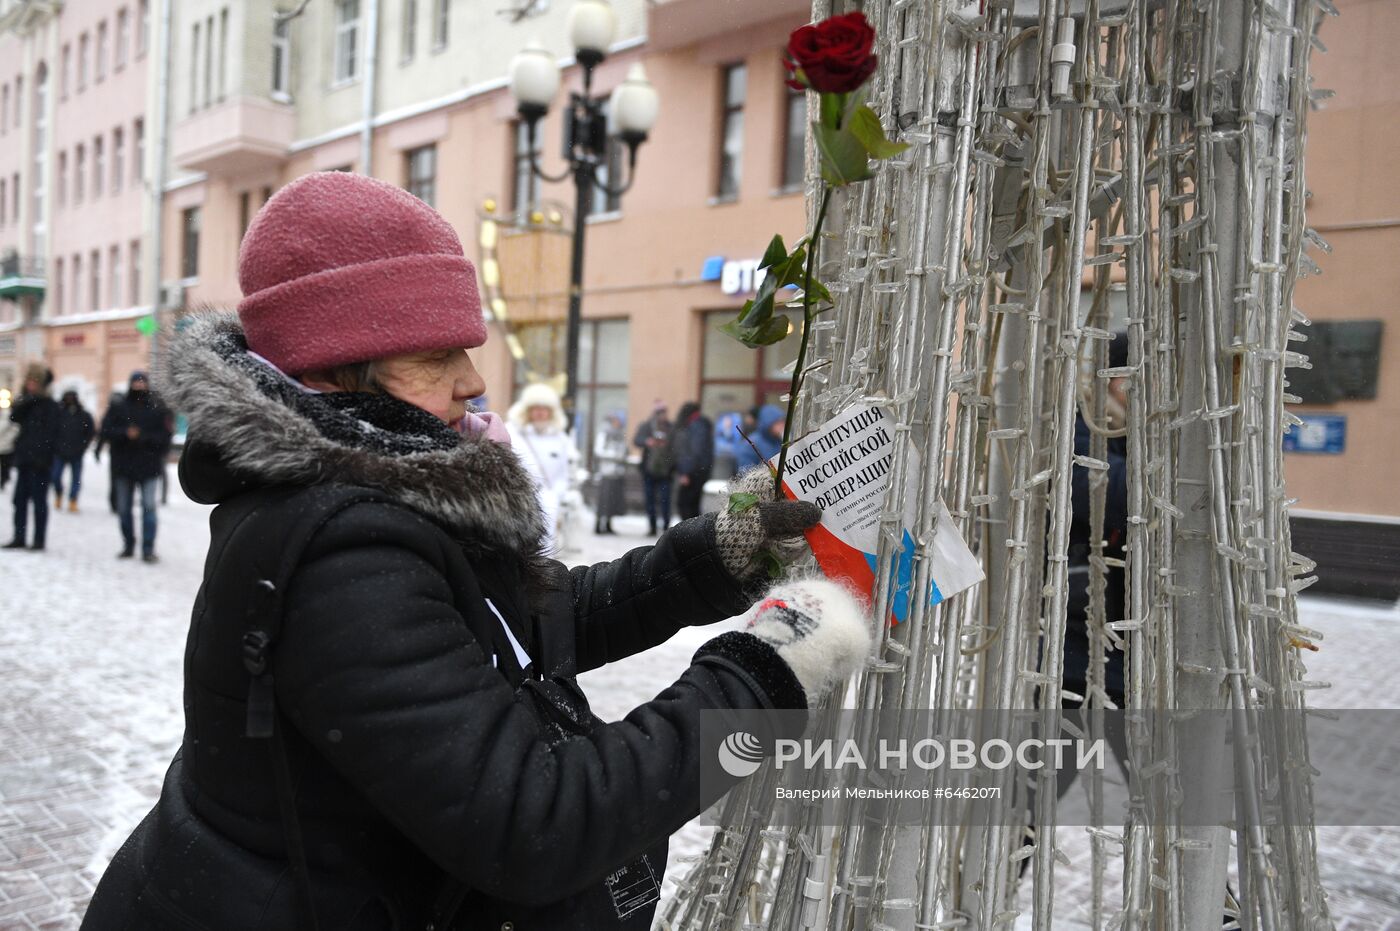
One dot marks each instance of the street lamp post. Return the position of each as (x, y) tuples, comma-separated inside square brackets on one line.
[(629, 115)]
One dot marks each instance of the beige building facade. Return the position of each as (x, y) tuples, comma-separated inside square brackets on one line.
[(665, 263)]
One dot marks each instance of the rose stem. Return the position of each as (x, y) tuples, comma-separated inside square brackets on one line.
[(796, 386)]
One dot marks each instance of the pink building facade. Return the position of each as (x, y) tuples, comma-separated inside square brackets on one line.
[(77, 174)]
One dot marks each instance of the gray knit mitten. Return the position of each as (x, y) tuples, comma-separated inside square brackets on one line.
[(818, 629), (759, 537)]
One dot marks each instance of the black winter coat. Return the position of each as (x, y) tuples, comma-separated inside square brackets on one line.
[(75, 432), (427, 759), (694, 447), (143, 457), (1077, 645), (37, 416)]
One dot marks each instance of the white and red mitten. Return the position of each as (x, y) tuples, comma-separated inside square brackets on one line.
[(817, 627)]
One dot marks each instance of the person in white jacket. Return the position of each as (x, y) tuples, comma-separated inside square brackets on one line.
[(537, 432), (9, 435)]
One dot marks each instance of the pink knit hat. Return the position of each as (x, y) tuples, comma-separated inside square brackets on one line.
[(339, 268)]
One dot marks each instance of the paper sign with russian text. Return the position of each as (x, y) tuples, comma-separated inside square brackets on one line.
[(844, 468)]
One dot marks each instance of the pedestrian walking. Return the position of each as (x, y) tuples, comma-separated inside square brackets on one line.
[(37, 416), (658, 465), (610, 467), (766, 437), (536, 424), (727, 442), (383, 727), (693, 442), (9, 435), (114, 402), (138, 432), (75, 432)]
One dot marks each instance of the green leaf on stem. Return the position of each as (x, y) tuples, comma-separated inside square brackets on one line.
[(853, 102), (775, 253), (819, 292), (772, 564), (755, 311), (738, 331), (843, 156), (791, 270), (865, 126), (774, 331), (741, 501)]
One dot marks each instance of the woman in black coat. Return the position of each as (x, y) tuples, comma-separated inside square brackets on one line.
[(382, 724)]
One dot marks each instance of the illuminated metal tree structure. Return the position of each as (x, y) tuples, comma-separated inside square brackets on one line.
[(1069, 157)]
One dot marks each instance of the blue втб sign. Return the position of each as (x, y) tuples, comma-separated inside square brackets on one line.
[(1318, 433)]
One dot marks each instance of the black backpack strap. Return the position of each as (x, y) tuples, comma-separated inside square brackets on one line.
[(274, 539)]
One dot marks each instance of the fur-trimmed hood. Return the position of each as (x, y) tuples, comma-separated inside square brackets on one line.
[(249, 419), (538, 394)]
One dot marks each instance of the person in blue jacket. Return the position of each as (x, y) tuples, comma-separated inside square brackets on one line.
[(767, 435)]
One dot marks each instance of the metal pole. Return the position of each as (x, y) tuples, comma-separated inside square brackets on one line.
[(583, 195)]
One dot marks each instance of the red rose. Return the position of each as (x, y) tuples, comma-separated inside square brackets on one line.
[(833, 55)]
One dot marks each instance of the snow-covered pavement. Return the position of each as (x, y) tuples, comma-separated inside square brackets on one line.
[(91, 649)]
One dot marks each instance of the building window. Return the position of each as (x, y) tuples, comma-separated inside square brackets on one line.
[(61, 182), (65, 76), (604, 370), (194, 67), (143, 28), (77, 289), (208, 61), (83, 53), (79, 172), (19, 102), (58, 294), (133, 276), (14, 197), (189, 243), (525, 190), (138, 154), (609, 173), (95, 280), (118, 160), (114, 275), (223, 52), (282, 60), (2, 201), (245, 213), (99, 166), (795, 141), (442, 11), (102, 50), (5, 111), (731, 136), (347, 40), (734, 377), (408, 34), (421, 168), (123, 36), (39, 178)]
